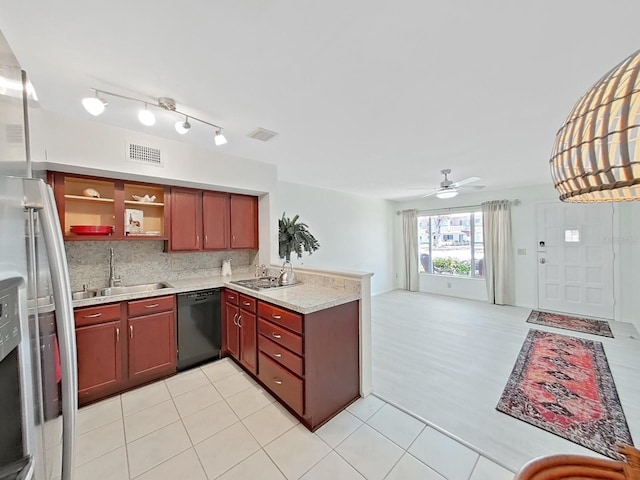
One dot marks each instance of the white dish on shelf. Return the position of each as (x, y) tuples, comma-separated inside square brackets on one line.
[(144, 199)]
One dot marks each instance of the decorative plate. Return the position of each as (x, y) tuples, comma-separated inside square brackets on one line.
[(92, 229)]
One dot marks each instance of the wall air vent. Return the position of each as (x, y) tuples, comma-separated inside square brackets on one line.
[(14, 133), (262, 134), (145, 154)]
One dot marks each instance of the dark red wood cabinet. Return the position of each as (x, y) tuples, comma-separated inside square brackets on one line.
[(121, 345), (186, 220), (241, 329), (311, 362), (244, 221), (207, 220)]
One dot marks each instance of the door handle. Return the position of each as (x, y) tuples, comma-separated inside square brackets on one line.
[(542, 260), (117, 335), (131, 331), (239, 318), (235, 317)]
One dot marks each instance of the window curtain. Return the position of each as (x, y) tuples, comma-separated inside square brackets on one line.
[(498, 252), (410, 237)]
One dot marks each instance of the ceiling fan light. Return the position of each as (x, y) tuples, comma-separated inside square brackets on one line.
[(219, 139), (183, 127), (94, 105), (146, 117), (448, 193)]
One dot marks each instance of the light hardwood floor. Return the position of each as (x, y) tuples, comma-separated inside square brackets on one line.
[(447, 360)]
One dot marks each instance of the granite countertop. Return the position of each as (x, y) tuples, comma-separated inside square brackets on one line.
[(302, 298)]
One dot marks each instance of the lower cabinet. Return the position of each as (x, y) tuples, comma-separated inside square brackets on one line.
[(240, 324), (309, 362), (124, 344)]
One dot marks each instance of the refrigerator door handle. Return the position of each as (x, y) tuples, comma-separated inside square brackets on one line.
[(39, 196)]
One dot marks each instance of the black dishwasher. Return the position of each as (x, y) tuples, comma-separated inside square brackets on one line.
[(199, 327)]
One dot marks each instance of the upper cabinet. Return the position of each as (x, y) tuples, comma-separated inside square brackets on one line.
[(92, 208), (244, 221), (206, 220)]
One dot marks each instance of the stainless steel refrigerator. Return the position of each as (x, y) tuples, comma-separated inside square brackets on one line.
[(38, 371)]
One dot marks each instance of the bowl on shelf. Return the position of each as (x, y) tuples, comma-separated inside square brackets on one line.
[(144, 199), (92, 229)]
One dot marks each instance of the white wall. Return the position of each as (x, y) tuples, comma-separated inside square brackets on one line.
[(626, 242), (353, 231), (523, 219)]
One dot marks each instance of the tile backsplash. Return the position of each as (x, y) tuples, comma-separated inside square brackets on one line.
[(145, 262)]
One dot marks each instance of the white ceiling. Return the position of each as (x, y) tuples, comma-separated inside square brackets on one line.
[(368, 97)]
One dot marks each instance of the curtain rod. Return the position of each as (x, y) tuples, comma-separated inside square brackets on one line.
[(515, 203)]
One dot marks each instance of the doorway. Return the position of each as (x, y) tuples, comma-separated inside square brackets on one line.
[(575, 259)]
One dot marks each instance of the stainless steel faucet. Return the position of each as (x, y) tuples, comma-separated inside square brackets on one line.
[(113, 280)]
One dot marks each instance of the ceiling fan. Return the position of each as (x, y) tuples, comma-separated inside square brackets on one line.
[(449, 189)]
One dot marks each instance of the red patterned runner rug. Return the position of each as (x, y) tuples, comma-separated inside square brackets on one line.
[(568, 322), (564, 385)]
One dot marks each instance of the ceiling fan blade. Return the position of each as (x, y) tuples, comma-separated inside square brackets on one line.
[(472, 187), (431, 193), (465, 181), (422, 188)]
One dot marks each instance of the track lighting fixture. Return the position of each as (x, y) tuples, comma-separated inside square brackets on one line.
[(219, 139), (96, 105), (183, 127)]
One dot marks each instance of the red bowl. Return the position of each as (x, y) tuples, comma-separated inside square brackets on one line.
[(92, 229)]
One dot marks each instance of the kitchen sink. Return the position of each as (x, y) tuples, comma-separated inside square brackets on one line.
[(146, 287), (261, 283)]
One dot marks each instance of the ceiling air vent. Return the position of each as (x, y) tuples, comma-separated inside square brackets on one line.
[(15, 133), (262, 134), (144, 154)]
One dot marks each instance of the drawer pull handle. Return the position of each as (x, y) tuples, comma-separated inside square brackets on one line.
[(231, 297), (277, 355), (276, 335), (153, 305), (277, 317), (95, 315), (246, 304), (277, 381)]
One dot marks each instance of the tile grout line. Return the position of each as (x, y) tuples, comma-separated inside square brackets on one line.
[(445, 432)]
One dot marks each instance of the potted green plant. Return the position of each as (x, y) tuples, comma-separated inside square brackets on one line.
[(293, 237)]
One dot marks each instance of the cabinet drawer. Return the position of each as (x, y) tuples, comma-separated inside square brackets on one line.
[(281, 355), (286, 318), (281, 336), (231, 297), (94, 315), (281, 382), (147, 306), (247, 303)]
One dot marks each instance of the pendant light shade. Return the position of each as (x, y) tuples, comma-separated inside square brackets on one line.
[(596, 156), (146, 117)]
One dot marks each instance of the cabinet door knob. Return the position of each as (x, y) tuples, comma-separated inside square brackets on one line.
[(277, 381), (276, 335)]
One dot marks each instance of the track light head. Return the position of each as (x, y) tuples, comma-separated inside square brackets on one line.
[(219, 139), (183, 127), (94, 105), (146, 117)]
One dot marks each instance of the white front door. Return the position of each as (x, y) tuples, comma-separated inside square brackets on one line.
[(575, 258)]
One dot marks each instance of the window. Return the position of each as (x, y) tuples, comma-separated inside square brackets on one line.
[(451, 244)]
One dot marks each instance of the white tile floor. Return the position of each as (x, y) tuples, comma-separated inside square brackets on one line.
[(216, 422)]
